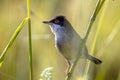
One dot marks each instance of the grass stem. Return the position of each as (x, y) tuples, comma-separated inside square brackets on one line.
[(92, 20), (30, 42), (10, 43), (100, 4)]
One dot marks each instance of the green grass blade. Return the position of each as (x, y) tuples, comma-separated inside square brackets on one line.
[(30, 49), (92, 20), (96, 35), (30, 40), (14, 36)]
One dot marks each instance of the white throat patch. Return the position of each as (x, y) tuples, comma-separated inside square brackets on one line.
[(57, 29)]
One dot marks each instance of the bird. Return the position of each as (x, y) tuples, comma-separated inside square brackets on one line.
[(68, 41)]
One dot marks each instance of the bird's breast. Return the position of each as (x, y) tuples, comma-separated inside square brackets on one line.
[(63, 44)]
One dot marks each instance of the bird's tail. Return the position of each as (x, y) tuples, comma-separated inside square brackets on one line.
[(94, 60)]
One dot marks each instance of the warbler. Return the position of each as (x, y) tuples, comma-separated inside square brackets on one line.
[(67, 40)]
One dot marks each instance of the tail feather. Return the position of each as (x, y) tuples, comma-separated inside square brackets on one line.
[(94, 60)]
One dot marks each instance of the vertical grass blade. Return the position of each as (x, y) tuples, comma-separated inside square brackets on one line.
[(14, 36), (30, 42), (92, 51), (30, 50), (92, 20)]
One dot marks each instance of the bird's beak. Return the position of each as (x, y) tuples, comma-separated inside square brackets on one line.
[(46, 22)]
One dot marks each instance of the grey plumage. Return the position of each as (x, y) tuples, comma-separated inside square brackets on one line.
[(67, 40)]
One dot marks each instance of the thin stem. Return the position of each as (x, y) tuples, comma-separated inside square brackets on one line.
[(93, 17), (30, 50), (88, 64), (98, 28), (28, 8), (69, 77), (30, 42), (10, 43), (92, 20)]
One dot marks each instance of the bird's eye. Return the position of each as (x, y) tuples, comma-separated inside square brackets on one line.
[(56, 21)]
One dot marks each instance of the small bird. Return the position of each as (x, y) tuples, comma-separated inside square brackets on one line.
[(67, 40)]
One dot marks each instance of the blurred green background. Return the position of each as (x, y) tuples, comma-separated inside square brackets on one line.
[(78, 12)]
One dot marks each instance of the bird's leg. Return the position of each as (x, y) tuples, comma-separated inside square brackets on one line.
[(68, 68)]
